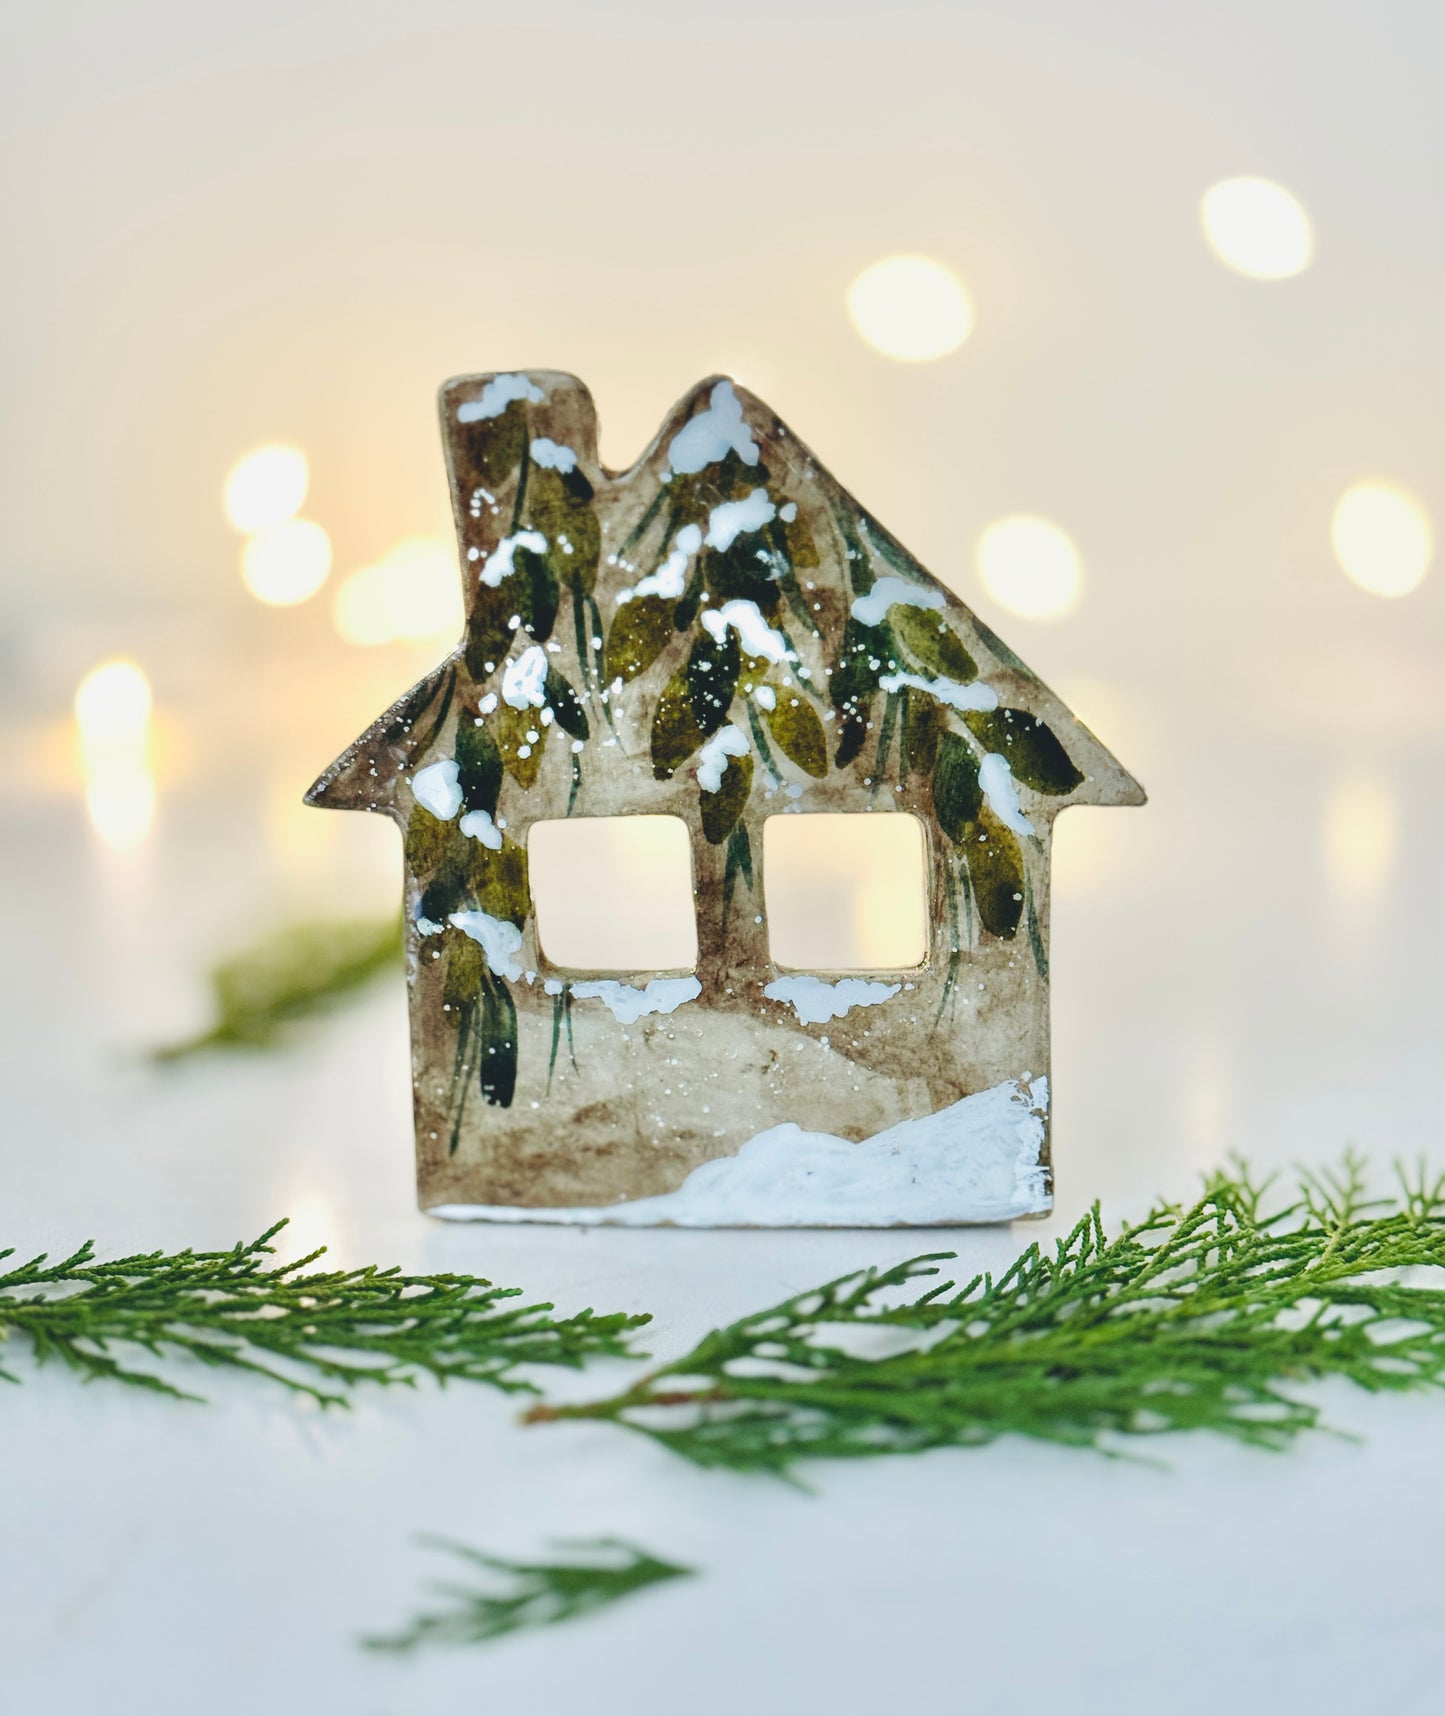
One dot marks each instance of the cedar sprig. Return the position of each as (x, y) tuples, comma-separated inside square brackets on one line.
[(317, 1333), (294, 973), (1199, 1317), (516, 1596)]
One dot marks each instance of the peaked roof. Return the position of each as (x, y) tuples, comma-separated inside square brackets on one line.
[(710, 555)]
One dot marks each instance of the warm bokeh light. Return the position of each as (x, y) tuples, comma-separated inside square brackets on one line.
[(288, 564), (413, 595), (1361, 836), (266, 488), (910, 308), (1031, 567), (113, 713), (1382, 538), (120, 800), (614, 893), (845, 892), (113, 728), (1256, 227)]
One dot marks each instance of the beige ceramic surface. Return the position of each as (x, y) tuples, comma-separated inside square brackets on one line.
[(719, 633)]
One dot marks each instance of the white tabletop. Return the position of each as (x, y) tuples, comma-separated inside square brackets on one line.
[(154, 1552)]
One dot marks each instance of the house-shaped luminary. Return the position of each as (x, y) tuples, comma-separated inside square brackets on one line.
[(718, 634)]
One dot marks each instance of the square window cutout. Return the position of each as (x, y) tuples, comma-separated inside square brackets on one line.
[(846, 892), (614, 893)]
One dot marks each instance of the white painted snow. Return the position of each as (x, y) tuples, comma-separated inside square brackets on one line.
[(996, 779), (711, 433), (670, 579), (949, 691), (628, 1004), (727, 522), (815, 1001), (552, 455), (496, 396), (712, 759), (478, 825), (501, 562), (499, 940), (974, 1161), (872, 609), (754, 633), (435, 788), (766, 698), (525, 678)]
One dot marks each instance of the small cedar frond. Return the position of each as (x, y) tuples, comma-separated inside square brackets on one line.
[(318, 1333), (516, 1596), (1203, 1317)]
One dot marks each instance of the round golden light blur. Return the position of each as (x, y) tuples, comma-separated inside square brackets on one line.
[(910, 308), (1257, 228), (121, 803), (412, 595), (287, 564), (113, 712), (266, 488), (1031, 567), (113, 724), (1382, 538), (1361, 837)]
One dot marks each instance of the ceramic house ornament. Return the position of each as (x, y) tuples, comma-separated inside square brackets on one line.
[(719, 634)]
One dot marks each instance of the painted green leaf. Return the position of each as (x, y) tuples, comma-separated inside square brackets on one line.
[(489, 628), (957, 796), (565, 704), (801, 548), (559, 504), (536, 592), (479, 764), (641, 630), (686, 610), (1034, 756), (497, 1047), (799, 733), (853, 683), (726, 479), (721, 809), (675, 732), (426, 842), (926, 638), (499, 880), (712, 672), (924, 723), (466, 965), (996, 869), (436, 854), (497, 444), (446, 891), (862, 659), (737, 574), (521, 739)]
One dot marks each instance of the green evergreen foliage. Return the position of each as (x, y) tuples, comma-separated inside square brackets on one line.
[(517, 1596), (1205, 1317), (317, 1334), (294, 973)]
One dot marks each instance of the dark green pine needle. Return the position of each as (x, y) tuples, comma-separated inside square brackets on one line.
[(1203, 1317), (298, 971), (517, 1596), (318, 1334)]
